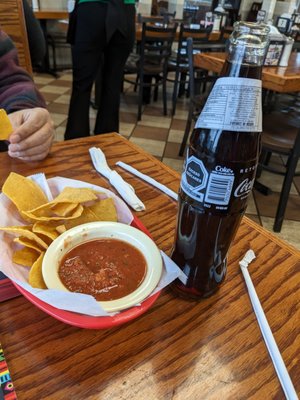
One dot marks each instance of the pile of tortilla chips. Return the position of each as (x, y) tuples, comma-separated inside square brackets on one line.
[(5, 125), (46, 220)]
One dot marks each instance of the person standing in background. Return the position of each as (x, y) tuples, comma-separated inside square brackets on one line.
[(103, 29)]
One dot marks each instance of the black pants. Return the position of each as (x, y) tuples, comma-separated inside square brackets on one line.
[(89, 47)]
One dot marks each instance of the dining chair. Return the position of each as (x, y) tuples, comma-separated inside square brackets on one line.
[(57, 40), (179, 62), (226, 31), (281, 136), (145, 18), (198, 80), (12, 21), (151, 65), (296, 46), (168, 16), (252, 14)]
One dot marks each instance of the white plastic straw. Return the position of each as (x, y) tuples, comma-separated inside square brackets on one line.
[(147, 178), (277, 360)]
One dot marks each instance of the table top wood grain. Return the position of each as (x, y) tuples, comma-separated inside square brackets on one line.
[(51, 14), (278, 79), (178, 349)]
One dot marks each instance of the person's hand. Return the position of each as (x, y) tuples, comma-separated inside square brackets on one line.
[(33, 134)]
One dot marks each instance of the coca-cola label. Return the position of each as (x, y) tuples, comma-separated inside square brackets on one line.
[(234, 104), (244, 188), (218, 186)]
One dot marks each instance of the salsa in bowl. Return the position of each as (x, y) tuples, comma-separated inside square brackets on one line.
[(116, 263)]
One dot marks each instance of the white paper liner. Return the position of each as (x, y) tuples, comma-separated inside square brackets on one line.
[(76, 302)]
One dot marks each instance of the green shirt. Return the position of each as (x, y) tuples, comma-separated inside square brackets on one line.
[(105, 1)]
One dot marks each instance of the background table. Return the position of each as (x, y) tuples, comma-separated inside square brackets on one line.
[(179, 349), (277, 79), (51, 14)]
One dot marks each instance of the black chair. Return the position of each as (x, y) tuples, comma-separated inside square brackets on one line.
[(198, 79), (179, 62), (155, 19), (57, 40), (226, 31), (281, 135), (151, 65), (296, 46), (252, 15), (168, 16)]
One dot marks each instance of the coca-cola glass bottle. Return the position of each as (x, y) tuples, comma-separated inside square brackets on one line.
[(220, 165)]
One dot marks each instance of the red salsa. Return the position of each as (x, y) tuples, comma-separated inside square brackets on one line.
[(107, 269)]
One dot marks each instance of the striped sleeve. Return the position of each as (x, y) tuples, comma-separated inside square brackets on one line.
[(17, 89)]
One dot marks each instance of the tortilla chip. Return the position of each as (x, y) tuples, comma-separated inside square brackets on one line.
[(24, 241), (63, 209), (46, 228), (53, 210), (36, 279), (75, 195), (34, 215), (23, 231), (72, 207), (86, 216), (23, 192), (25, 256), (5, 125), (105, 210), (61, 228)]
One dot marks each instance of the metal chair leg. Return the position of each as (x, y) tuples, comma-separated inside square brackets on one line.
[(164, 93), (175, 93), (186, 133), (284, 196), (140, 98)]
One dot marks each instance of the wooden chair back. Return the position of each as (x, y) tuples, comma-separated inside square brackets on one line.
[(226, 31), (12, 22), (281, 135)]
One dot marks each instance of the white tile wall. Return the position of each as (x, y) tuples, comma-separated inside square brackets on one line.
[(144, 7), (176, 5), (53, 4)]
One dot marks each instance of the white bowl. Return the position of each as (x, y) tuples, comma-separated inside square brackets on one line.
[(113, 230)]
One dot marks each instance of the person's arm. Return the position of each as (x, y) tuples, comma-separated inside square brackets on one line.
[(17, 89), (25, 106)]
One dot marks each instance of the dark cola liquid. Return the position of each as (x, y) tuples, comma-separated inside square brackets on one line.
[(205, 231)]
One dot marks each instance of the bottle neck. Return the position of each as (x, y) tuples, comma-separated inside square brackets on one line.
[(234, 68), (246, 50), (243, 61)]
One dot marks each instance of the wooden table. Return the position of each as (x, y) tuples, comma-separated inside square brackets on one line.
[(178, 349), (51, 14), (59, 14), (278, 79)]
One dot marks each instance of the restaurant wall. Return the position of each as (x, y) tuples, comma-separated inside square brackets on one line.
[(272, 7), (144, 7), (53, 4), (269, 7), (176, 5), (284, 7)]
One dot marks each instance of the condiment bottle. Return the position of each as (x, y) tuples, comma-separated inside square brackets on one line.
[(288, 47), (220, 165)]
